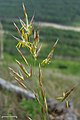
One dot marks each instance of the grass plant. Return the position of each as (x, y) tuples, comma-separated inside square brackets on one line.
[(29, 39)]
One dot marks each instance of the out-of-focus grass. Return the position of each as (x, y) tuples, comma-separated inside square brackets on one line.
[(32, 107), (67, 66), (10, 106)]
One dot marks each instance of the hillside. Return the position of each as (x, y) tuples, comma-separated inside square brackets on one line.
[(59, 11)]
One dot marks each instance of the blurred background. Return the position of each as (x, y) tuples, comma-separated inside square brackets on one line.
[(58, 19)]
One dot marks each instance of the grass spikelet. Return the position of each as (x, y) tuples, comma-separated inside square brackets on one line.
[(36, 36), (25, 14), (23, 57), (66, 95), (38, 51), (20, 82), (32, 20), (17, 28), (48, 59), (54, 46), (23, 69), (15, 74)]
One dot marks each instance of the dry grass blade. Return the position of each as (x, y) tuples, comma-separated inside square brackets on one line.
[(38, 51), (31, 22), (50, 55), (20, 82), (18, 39), (17, 28), (48, 59), (20, 42), (53, 48), (55, 44), (23, 57), (25, 14), (23, 25), (16, 74), (23, 43), (66, 94), (36, 36), (23, 69)]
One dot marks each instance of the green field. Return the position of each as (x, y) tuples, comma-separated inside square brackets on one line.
[(59, 11)]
